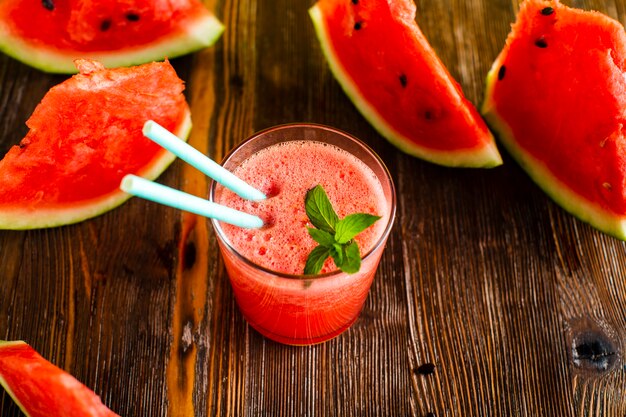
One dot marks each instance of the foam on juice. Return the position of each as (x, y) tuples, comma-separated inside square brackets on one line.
[(285, 172)]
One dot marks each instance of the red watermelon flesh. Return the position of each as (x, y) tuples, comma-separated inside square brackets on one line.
[(394, 77), (557, 96), (85, 135), (50, 34), (43, 390)]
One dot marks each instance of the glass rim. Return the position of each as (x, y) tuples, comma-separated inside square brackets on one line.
[(302, 277)]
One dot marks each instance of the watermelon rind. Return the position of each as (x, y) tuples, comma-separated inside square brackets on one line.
[(588, 212), (486, 156), (7, 388), (5, 343), (204, 32), (21, 219), (3, 382)]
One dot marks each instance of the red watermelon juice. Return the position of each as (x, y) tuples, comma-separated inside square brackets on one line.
[(266, 265)]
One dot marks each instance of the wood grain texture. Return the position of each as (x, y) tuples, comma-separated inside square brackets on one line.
[(520, 307)]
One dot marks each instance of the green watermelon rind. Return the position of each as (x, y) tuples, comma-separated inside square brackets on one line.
[(23, 219), (4, 383), (486, 156), (201, 34), (8, 343), (604, 220)]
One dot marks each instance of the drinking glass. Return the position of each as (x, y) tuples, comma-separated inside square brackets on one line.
[(303, 309)]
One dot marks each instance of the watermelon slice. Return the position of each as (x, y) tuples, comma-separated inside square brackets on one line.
[(51, 34), (393, 76), (556, 95), (84, 136), (41, 389)]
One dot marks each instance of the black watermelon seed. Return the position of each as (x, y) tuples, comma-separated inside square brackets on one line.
[(105, 25), (426, 369), (547, 11), (541, 43), (132, 17), (358, 26), (48, 4), (501, 73), (428, 115), (22, 145), (355, 1), (403, 80)]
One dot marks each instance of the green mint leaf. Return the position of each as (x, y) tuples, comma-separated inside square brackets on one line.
[(322, 237), (320, 210), (315, 260), (352, 259), (336, 252), (350, 226), (335, 237)]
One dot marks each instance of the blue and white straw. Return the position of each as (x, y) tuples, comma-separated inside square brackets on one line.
[(158, 193), (197, 159)]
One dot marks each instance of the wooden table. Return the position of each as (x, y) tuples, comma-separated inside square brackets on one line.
[(520, 307)]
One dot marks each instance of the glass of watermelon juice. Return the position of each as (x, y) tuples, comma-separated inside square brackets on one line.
[(266, 265)]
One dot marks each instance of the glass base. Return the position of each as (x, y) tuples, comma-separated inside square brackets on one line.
[(309, 341)]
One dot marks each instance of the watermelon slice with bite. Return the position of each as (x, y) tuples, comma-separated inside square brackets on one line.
[(556, 94), (393, 76), (85, 135), (41, 389), (51, 34)]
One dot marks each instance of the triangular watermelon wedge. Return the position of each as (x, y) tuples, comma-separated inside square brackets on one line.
[(393, 76), (85, 135), (41, 389), (51, 34), (556, 95)]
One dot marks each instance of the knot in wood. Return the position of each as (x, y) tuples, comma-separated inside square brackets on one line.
[(593, 348)]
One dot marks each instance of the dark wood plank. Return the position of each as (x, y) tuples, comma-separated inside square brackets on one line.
[(518, 306)]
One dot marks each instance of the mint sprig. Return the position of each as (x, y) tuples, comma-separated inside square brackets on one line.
[(335, 236)]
